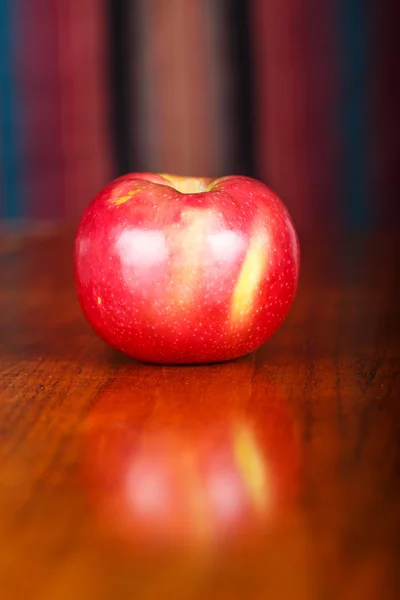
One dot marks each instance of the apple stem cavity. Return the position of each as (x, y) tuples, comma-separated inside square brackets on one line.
[(187, 185)]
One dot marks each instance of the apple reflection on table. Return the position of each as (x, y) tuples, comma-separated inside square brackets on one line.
[(201, 457)]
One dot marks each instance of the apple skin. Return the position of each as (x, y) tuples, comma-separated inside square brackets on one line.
[(186, 270)]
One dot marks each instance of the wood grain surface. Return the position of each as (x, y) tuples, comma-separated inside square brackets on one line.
[(274, 476)]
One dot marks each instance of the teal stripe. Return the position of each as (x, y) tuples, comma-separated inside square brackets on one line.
[(9, 155), (354, 111)]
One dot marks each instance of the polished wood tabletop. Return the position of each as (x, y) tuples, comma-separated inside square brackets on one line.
[(273, 476)]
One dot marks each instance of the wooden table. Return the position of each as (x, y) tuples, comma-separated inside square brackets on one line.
[(274, 476)]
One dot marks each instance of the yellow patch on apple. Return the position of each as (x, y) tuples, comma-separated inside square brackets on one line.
[(249, 279), (123, 199)]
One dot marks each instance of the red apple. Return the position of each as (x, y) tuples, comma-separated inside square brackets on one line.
[(186, 270)]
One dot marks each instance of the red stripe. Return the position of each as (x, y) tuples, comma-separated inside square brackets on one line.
[(63, 78), (386, 102), (295, 105), (43, 169), (84, 114)]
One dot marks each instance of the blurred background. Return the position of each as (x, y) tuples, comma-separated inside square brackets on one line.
[(302, 94)]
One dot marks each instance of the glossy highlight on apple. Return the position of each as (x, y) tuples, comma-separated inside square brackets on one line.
[(186, 270)]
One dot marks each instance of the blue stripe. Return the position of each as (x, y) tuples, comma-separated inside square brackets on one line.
[(9, 125), (354, 111)]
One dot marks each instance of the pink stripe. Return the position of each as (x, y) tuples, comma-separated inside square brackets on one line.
[(63, 77), (85, 138), (43, 173)]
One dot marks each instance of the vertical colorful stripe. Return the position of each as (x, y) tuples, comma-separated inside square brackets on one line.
[(83, 105), (180, 75), (295, 105), (54, 107), (303, 95), (10, 165), (354, 37), (43, 173), (385, 143)]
